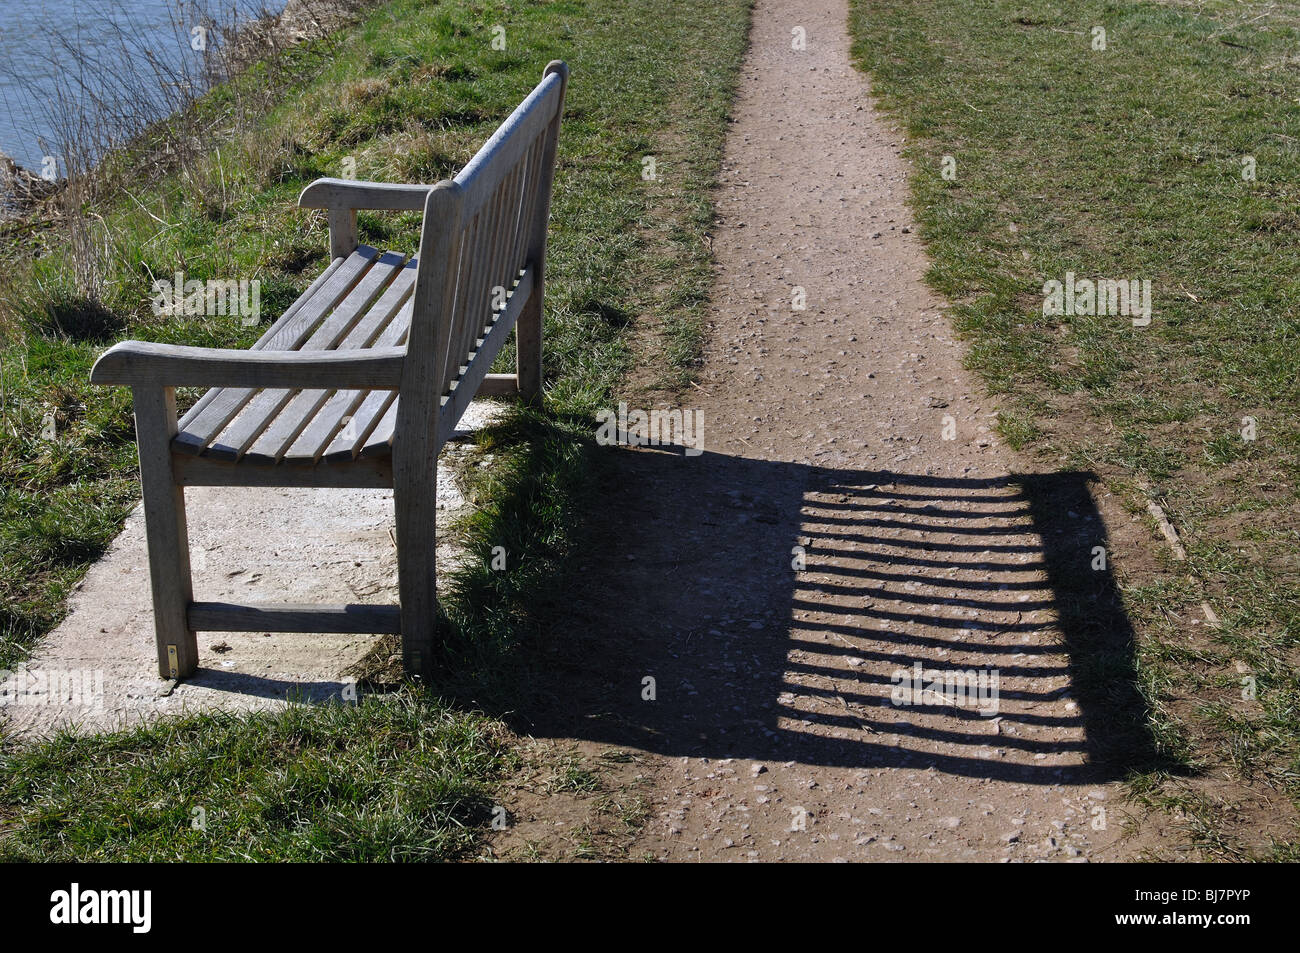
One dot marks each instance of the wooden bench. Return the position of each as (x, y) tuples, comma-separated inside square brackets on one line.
[(359, 383)]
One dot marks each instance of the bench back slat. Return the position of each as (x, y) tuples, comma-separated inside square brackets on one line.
[(499, 203), (499, 155), (481, 231), (497, 241)]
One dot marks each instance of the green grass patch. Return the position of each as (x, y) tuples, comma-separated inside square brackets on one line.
[(396, 778)]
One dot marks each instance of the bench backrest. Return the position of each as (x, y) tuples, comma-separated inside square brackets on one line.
[(482, 255)]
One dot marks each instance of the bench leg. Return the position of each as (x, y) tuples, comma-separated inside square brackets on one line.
[(415, 501), (164, 516), (528, 347)]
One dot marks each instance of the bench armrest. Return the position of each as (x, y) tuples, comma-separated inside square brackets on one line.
[(350, 194), (139, 363)]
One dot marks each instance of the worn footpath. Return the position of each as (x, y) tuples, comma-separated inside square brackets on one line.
[(837, 633)]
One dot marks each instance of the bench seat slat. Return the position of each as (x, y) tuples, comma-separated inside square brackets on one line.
[(208, 396), (231, 422), (276, 439), (209, 417), (325, 424), (380, 441), (348, 443), (236, 437), (267, 415), (293, 334)]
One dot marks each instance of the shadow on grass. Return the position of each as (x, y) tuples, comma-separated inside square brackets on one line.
[(80, 319)]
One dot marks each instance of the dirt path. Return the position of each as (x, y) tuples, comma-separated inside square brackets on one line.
[(774, 733)]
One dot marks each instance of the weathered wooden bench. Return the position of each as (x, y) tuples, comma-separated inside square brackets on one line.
[(359, 383)]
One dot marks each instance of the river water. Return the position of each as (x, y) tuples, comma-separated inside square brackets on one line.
[(45, 45)]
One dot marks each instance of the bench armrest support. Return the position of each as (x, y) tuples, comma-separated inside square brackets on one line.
[(342, 197), (139, 363)]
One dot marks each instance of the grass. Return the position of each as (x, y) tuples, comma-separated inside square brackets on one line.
[(387, 779), (408, 95), (1170, 155)]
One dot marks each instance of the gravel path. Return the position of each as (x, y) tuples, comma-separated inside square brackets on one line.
[(774, 731)]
